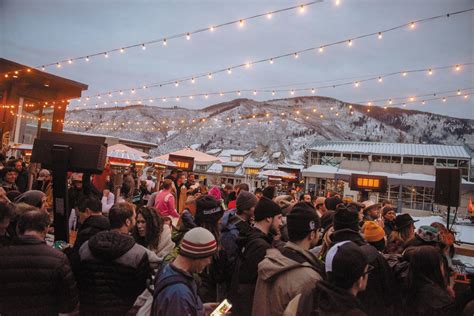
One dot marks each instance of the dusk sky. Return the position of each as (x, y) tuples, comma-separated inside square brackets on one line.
[(40, 32)]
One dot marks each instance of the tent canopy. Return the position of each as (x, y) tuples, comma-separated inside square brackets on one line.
[(126, 149), (199, 157)]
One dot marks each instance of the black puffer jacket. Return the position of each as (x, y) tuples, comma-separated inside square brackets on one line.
[(90, 227), (112, 273), (253, 247), (35, 279), (331, 300), (378, 298)]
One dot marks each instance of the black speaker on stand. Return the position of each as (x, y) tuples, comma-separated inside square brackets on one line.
[(448, 190)]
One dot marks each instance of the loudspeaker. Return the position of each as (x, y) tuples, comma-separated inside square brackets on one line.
[(448, 186), (88, 153)]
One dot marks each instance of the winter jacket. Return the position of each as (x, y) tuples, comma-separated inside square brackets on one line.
[(253, 246), (430, 300), (165, 204), (378, 296), (328, 300), (91, 226), (230, 227), (35, 279), (113, 272), (282, 278), (179, 297)]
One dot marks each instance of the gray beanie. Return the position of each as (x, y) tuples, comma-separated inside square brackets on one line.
[(245, 201)]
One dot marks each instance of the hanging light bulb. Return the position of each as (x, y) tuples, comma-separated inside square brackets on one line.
[(295, 55), (430, 71), (380, 36), (212, 29), (457, 68), (412, 25), (165, 42), (423, 102), (380, 79), (254, 92), (444, 99), (459, 92), (269, 15), (176, 84), (188, 36), (302, 8), (292, 92), (42, 68), (143, 46), (404, 74), (133, 91), (209, 75), (241, 23), (87, 58), (238, 93), (349, 42), (206, 96), (122, 50), (313, 91), (271, 61), (321, 49), (390, 101), (356, 84), (193, 80), (247, 65), (58, 65), (69, 61), (121, 92), (106, 55), (229, 71)]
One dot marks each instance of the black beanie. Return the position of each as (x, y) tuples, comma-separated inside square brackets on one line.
[(301, 221), (208, 210), (269, 192), (332, 202), (346, 218), (266, 208), (327, 219)]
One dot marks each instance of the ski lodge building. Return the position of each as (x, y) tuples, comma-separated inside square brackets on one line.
[(409, 170)]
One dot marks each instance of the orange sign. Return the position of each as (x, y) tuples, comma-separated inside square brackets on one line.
[(368, 183)]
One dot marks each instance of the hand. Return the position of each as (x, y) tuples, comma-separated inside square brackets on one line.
[(209, 307)]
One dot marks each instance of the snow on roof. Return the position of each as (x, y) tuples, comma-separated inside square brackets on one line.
[(331, 171), (199, 157), (231, 164), (195, 146), (234, 152), (127, 149), (270, 166), (276, 155), (215, 168), (214, 151), (251, 163), (290, 166), (421, 150)]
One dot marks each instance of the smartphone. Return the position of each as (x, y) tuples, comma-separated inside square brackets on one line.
[(222, 309)]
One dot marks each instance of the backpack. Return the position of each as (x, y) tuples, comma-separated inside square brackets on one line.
[(168, 281)]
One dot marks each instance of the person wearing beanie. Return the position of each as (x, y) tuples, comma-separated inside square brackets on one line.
[(283, 275), (348, 270), (426, 236), (253, 246), (374, 235), (389, 214), (378, 298), (235, 222), (175, 288), (332, 202), (269, 192)]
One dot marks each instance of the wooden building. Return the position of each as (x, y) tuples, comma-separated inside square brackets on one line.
[(29, 95)]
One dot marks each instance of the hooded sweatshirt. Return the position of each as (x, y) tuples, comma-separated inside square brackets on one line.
[(334, 301), (282, 278), (112, 273)]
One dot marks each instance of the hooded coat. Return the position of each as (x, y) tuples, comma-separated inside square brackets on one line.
[(282, 278), (329, 300), (378, 296), (253, 246), (112, 273)]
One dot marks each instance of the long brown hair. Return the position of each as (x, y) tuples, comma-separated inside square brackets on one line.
[(154, 227)]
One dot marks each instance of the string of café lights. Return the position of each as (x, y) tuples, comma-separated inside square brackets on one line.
[(271, 60), (166, 39), (465, 93), (292, 92)]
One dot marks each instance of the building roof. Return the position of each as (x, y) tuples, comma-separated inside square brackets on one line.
[(290, 166), (199, 157), (407, 178), (126, 149), (233, 152), (420, 150), (214, 151), (231, 164)]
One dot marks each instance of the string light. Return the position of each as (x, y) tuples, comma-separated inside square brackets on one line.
[(302, 8), (295, 55), (87, 59), (349, 43), (143, 46), (241, 23), (412, 25), (430, 71), (165, 42), (106, 55), (229, 71), (457, 67), (122, 50), (271, 61), (209, 75), (310, 89), (269, 15), (380, 35), (69, 62), (380, 79), (330, 44), (188, 36)]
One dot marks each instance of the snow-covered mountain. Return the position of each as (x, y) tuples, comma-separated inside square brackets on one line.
[(288, 125)]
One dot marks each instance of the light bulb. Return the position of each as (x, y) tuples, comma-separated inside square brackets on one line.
[(430, 72), (292, 92), (70, 61), (193, 80), (321, 49), (273, 92), (165, 42), (356, 84), (241, 23), (87, 58), (412, 25), (176, 84), (106, 55), (229, 71), (444, 99), (133, 91), (295, 55), (209, 75), (269, 15), (349, 42), (58, 65), (212, 29), (313, 91), (457, 68), (380, 35), (380, 79), (254, 92), (302, 8), (271, 61), (143, 46), (459, 92), (122, 50), (404, 74), (188, 36)]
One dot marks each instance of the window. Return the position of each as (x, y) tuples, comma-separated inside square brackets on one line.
[(376, 158), (408, 160), (237, 158), (364, 157), (396, 159), (228, 169), (356, 157), (452, 163), (346, 156), (428, 162), (418, 161), (252, 170), (441, 162), (201, 167)]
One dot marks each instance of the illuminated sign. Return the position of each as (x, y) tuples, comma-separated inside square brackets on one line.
[(184, 163), (360, 182)]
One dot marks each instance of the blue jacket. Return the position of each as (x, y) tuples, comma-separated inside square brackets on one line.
[(179, 297)]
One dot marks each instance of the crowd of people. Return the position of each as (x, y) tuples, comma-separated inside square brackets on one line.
[(176, 247)]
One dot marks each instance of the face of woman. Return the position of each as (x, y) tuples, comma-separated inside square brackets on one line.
[(141, 225)]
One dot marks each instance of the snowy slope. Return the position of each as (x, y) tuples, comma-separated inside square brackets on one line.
[(288, 126)]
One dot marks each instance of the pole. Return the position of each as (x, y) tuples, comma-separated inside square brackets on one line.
[(60, 192)]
